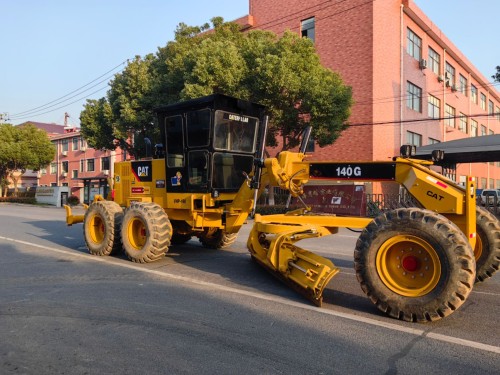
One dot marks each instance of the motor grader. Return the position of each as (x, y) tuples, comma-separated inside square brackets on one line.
[(416, 264)]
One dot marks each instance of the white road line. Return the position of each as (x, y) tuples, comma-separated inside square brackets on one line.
[(266, 297)]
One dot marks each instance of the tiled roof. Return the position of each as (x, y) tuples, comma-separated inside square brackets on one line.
[(51, 129)]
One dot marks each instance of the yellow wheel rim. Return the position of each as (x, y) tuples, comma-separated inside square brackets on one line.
[(136, 232), (96, 229), (408, 265), (478, 249)]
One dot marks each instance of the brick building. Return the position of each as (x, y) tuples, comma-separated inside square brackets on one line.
[(75, 163), (401, 68)]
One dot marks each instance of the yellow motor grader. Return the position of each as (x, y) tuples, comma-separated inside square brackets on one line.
[(416, 264)]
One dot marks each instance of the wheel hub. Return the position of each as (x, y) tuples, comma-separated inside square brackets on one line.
[(410, 263)]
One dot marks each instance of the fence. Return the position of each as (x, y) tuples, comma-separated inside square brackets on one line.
[(378, 203), (375, 203), (492, 205)]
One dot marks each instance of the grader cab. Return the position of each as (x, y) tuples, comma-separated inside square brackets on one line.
[(416, 264)]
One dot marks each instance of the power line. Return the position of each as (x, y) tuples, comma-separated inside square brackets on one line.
[(35, 112), (398, 98), (273, 23), (63, 106), (58, 100), (397, 122)]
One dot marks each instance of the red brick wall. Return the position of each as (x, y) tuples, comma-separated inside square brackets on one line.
[(365, 42)]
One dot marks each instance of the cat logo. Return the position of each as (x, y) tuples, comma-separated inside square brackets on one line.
[(142, 170)]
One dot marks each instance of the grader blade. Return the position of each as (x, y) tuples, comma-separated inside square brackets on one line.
[(272, 246)]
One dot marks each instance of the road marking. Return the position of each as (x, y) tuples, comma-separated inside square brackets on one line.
[(266, 297)]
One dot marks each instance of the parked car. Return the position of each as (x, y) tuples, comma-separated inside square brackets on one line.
[(490, 197)]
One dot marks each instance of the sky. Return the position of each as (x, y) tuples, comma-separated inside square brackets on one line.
[(57, 53)]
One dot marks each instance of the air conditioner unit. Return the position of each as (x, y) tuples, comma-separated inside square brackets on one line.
[(423, 64), (65, 174), (65, 153), (105, 171), (83, 148), (454, 88), (440, 78)]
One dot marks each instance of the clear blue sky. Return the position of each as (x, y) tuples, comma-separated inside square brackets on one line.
[(53, 47)]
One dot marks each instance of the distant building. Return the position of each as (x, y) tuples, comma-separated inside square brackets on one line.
[(74, 163), (411, 84)]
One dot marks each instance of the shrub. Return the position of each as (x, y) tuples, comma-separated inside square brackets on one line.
[(270, 210), (26, 200), (73, 200)]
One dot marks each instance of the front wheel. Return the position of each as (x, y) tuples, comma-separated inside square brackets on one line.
[(146, 232), (414, 264), (487, 249), (101, 228)]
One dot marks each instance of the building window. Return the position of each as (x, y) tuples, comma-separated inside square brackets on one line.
[(414, 97), (82, 165), (449, 115), (76, 142), (473, 93), (105, 163), (450, 73), (413, 139), (83, 144), (74, 174), (414, 45), (64, 166), (483, 130), (433, 141), (483, 183), (473, 128), (497, 113), (64, 144), (462, 124), (463, 85), (492, 183), (53, 168), (90, 165), (434, 61), (483, 101), (434, 107), (491, 110), (307, 28)]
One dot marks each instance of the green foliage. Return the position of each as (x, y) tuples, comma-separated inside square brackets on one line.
[(496, 76), (284, 73), (23, 148)]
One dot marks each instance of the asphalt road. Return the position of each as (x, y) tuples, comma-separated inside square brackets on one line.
[(197, 311)]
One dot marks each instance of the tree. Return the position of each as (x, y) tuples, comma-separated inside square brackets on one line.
[(284, 73), (496, 76), (22, 148)]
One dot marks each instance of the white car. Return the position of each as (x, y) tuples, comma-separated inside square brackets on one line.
[(490, 197)]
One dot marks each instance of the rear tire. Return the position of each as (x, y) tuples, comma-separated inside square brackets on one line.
[(146, 232), (414, 264), (216, 238), (487, 249), (101, 228)]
